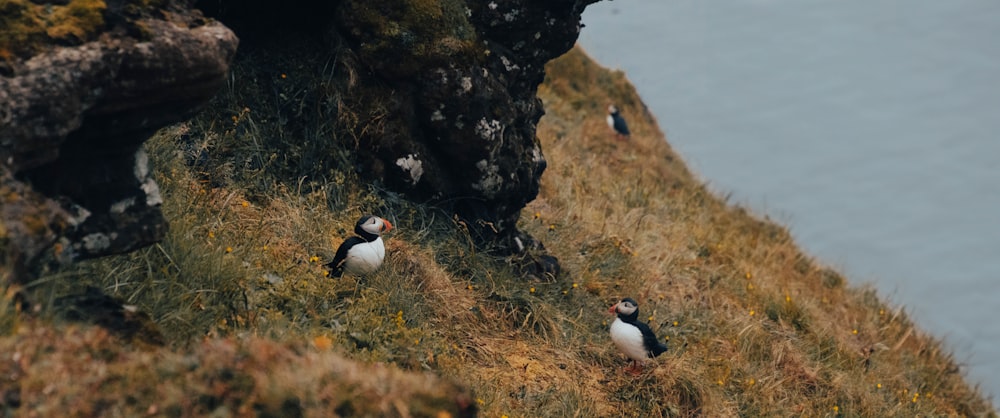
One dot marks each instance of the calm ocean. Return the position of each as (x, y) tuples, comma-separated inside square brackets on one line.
[(871, 128)]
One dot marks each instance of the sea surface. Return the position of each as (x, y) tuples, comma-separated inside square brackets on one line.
[(870, 128)]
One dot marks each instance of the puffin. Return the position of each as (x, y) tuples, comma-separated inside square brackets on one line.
[(632, 337), (361, 254), (617, 123)]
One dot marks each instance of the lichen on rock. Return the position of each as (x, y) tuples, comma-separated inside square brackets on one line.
[(82, 84)]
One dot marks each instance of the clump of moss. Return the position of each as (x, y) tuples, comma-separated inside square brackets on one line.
[(26, 27), (401, 35)]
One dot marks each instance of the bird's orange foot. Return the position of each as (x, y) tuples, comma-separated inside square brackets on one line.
[(634, 369)]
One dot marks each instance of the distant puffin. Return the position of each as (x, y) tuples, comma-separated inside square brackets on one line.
[(617, 123), (632, 337), (364, 253)]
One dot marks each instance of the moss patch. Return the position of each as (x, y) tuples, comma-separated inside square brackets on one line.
[(26, 27), (404, 34)]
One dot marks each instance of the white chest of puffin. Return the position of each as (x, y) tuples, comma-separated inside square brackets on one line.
[(364, 253), (633, 338)]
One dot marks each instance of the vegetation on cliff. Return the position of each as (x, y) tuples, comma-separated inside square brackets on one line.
[(244, 322)]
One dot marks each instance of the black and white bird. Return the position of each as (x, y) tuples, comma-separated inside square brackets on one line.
[(617, 123), (361, 254), (632, 337)]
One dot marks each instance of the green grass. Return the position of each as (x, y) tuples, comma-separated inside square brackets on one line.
[(755, 327)]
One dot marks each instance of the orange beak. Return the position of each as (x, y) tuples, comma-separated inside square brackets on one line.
[(613, 309), (386, 225)]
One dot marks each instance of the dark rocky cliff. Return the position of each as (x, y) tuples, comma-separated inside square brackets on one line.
[(436, 97), (82, 85)]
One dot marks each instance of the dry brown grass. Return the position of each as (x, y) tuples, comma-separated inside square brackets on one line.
[(755, 327)]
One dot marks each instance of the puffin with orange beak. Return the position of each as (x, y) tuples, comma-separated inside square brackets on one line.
[(632, 337), (361, 254)]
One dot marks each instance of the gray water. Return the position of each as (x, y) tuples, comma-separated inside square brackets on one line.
[(870, 128)]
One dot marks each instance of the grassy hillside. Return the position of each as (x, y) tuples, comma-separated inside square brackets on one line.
[(246, 323)]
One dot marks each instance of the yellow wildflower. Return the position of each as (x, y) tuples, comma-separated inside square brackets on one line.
[(322, 342)]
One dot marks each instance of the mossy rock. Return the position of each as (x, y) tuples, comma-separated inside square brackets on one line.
[(28, 27)]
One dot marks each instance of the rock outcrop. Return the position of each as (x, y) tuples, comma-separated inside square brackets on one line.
[(441, 99), (441, 94), (82, 84)]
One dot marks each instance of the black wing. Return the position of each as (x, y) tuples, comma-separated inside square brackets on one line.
[(336, 266), (649, 340), (621, 126)]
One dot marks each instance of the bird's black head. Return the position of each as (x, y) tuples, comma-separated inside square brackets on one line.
[(371, 227), (627, 309)]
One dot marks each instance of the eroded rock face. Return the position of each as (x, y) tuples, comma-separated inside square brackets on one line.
[(73, 119), (441, 93), (464, 76)]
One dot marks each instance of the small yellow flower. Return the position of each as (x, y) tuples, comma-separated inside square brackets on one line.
[(666, 338), (326, 273), (480, 401), (313, 259), (469, 287), (211, 234), (752, 312), (788, 298), (676, 323), (552, 227), (749, 275), (720, 382), (651, 318), (749, 286), (538, 215), (245, 203), (565, 292), (855, 332), (322, 342), (532, 290), (264, 248), (881, 312), (574, 285), (836, 408), (284, 76), (878, 386), (229, 250)]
